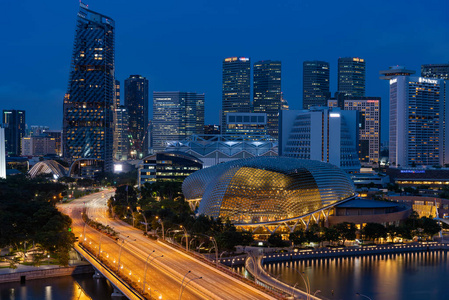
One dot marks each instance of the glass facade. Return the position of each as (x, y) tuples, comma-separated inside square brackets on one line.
[(236, 87), (176, 115), (266, 189), (136, 102), (90, 99), (14, 124), (267, 93), (168, 166), (315, 81), (351, 76)]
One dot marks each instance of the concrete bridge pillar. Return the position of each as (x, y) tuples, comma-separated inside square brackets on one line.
[(97, 275), (117, 294)]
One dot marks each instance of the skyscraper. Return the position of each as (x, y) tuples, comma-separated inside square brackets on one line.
[(315, 83), (321, 133), (440, 71), (90, 98), (117, 93), (417, 114), (236, 88), (267, 93), (351, 76), (136, 102), (176, 115), (121, 137), (14, 124), (368, 126)]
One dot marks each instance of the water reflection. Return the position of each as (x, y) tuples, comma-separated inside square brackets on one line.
[(410, 276), (82, 287)]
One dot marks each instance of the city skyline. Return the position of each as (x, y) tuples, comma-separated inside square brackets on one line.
[(197, 67)]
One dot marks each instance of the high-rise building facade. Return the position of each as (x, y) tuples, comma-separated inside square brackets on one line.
[(440, 71), (57, 135), (136, 102), (117, 93), (122, 137), (249, 124), (417, 122), (315, 83), (351, 76), (236, 87), (368, 126), (90, 99), (14, 124), (267, 93), (176, 115), (38, 145), (327, 135)]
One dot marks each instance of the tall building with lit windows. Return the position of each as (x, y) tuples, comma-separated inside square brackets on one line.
[(417, 122), (315, 83), (321, 133), (90, 99), (351, 76), (368, 126), (176, 115), (236, 87), (117, 93), (267, 93), (136, 102), (14, 124), (440, 71)]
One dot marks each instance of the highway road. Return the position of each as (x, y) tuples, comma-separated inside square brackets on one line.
[(138, 253)]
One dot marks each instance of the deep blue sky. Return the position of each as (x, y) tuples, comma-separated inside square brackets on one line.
[(179, 45)]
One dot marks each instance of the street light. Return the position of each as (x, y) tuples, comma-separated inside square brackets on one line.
[(182, 288), (182, 282), (120, 253), (159, 220), (99, 245), (303, 278), (132, 214), (146, 223), (361, 295), (145, 272), (187, 237), (216, 249)]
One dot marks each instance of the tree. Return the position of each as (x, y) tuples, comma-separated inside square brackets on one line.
[(430, 226), (373, 231), (346, 231), (331, 234), (297, 237), (275, 240)]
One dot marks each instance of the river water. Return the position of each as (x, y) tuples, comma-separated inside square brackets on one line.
[(411, 276), (82, 287)]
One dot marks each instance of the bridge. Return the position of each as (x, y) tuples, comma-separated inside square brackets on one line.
[(141, 268)]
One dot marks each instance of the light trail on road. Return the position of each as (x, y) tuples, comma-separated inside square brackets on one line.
[(164, 274)]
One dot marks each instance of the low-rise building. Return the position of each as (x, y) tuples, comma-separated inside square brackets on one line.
[(167, 166)]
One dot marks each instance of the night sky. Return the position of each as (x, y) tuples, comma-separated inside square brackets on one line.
[(180, 45)]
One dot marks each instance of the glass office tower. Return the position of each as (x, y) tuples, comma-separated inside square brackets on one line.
[(267, 93), (90, 99)]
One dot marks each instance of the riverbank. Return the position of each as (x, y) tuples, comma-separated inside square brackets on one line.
[(23, 273), (354, 251)]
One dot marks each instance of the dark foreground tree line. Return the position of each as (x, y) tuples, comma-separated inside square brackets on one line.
[(30, 224)]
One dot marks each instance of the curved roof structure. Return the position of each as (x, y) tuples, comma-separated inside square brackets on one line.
[(46, 167), (267, 189)]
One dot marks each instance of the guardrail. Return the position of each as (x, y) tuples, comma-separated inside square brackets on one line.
[(115, 280), (363, 250)]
